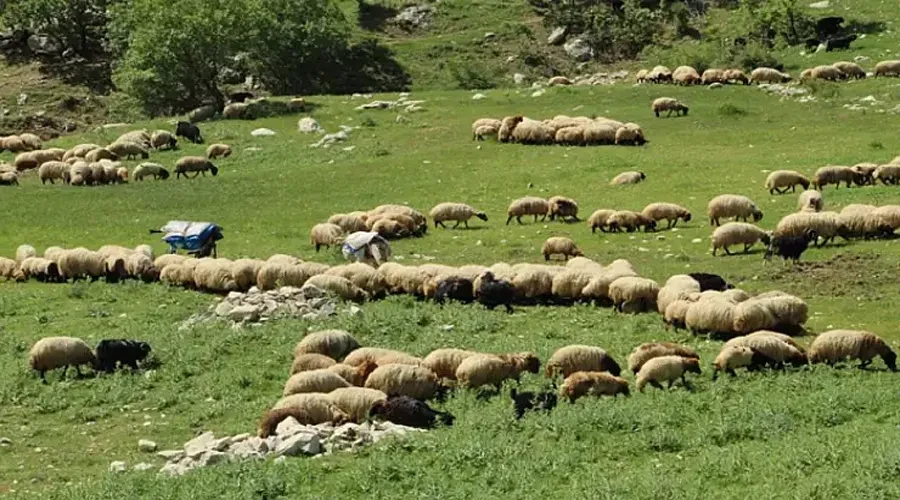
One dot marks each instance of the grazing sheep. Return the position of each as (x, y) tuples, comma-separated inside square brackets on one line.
[(627, 178), (646, 352), (714, 314), (560, 246), (411, 412), (732, 205), (677, 287), (850, 70), (570, 136), (530, 205), (458, 289), (321, 380), (685, 75), (356, 375), (641, 76), (445, 362), (404, 380), (163, 139), (218, 150), (316, 409), (600, 220), (26, 161), (791, 247), (887, 68), (9, 179), (177, 275), (380, 357), (357, 402), (669, 212), (487, 369), (81, 263), (362, 275), (666, 369), (737, 233), (675, 314), (660, 74), (43, 270), (112, 352), (567, 285), (349, 223), (769, 350), (865, 173), (773, 312), (887, 174), (530, 131), (829, 73), (189, 131), (839, 345), (485, 131), (332, 343), (50, 353), (326, 235), (779, 180), (100, 154), (600, 133), (197, 164), (768, 75), (633, 294), (562, 207), (735, 75), (833, 175), (630, 222), (668, 104), (139, 266), (25, 251), (309, 362), (8, 268), (866, 225), (488, 124), (575, 358), (597, 384), (734, 356), (491, 292), (826, 225), (148, 169), (341, 287), (810, 201), (128, 150), (527, 400), (458, 212), (631, 134), (713, 75), (53, 170), (558, 80)]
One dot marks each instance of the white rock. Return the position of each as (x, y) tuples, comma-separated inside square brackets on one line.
[(308, 125), (252, 447), (211, 457), (289, 427), (118, 466), (262, 132), (697, 240), (538, 93), (143, 466), (305, 443), (715, 85), (146, 445), (172, 455), (520, 79), (174, 469), (820, 5), (238, 438), (197, 446), (244, 313), (478, 97)]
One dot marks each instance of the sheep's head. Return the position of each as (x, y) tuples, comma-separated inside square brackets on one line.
[(757, 215), (811, 235), (643, 176), (804, 183), (687, 217), (623, 388), (650, 226), (481, 215), (487, 276), (145, 154), (212, 168), (611, 366), (766, 238), (378, 409), (691, 365), (53, 272), (890, 358), (685, 109), (163, 173)]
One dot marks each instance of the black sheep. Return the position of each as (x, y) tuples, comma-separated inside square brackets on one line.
[(459, 289), (791, 247), (111, 352), (827, 27), (493, 292), (240, 96), (189, 131), (839, 43), (404, 410), (711, 282), (538, 401)]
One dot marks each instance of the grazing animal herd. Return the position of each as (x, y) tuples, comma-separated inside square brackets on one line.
[(839, 71)]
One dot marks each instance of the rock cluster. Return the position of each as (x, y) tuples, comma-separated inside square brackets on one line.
[(290, 439), (254, 306)]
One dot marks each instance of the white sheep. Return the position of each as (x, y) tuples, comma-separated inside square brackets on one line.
[(600, 220), (197, 164), (444, 362), (737, 233), (627, 178), (341, 287), (458, 212), (404, 380), (666, 369), (780, 180), (128, 150), (668, 104), (833, 175), (558, 245), (645, 352), (810, 201), (732, 205), (633, 294), (768, 75), (488, 369), (332, 343), (670, 212), (839, 345), (731, 358), (163, 139), (218, 150), (530, 205), (326, 235), (148, 169), (357, 402), (50, 353), (25, 251), (580, 358), (321, 380), (887, 68), (311, 361)]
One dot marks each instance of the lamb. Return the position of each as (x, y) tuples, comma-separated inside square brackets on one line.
[(411, 412), (357, 402), (341, 287), (560, 246), (326, 235), (732, 357), (887, 68), (770, 350), (50, 353), (641, 76), (529, 205), (685, 75), (768, 75), (218, 150), (585, 383), (669, 212), (321, 380), (791, 247), (646, 352), (577, 358), (488, 123), (732, 205), (666, 369), (627, 178), (633, 293), (111, 352), (525, 401), (630, 222), (488, 369), (660, 74), (485, 131), (833, 175), (737, 233), (189, 131), (9, 179), (148, 169), (492, 292), (631, 134), (713, 75), (197, 164), (562, 207), (779, 180), (458, 212), (332, 343), (600, 220), (163, 139), (810, 201), (838, 345), (736, 75), (445, 362), (668, 104), (128, 150), (404, 380), (850, 70)]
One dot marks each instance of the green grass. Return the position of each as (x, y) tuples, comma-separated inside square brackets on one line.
[(811, 433)]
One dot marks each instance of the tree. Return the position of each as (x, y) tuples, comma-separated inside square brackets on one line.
[(175, 53), (79, 25)]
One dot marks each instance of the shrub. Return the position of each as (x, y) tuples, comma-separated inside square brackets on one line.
[(79, 25)]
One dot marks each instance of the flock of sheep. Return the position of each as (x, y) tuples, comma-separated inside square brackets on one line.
[(92, 164), (561, 129), (687, 75)]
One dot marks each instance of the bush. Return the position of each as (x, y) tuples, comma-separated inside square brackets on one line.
[(79, 25), (470, 75)]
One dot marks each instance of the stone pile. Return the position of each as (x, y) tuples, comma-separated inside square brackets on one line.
[(256, 306)]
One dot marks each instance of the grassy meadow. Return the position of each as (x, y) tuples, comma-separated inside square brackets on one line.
[(810, 433)]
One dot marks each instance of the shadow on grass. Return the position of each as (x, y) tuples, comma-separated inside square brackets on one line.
[(372, 16)]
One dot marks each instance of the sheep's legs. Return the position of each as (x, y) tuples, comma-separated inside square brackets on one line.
[(509, 220), (456, 225), (864, 364), (509, 308), (656, 384), (727, 252)]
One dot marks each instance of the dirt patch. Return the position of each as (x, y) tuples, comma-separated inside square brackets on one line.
[(842, 274)]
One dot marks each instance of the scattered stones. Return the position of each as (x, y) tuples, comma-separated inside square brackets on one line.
[(146, 446), (330, 139), (520, 79), (117, 466), (309, 125), (414, 17), (291, 439), (820, 5), (781, 90), (579, 50), (538, 93), (41, 44), (309, 302), (602, 78), (557, 36), (262, 132), (143, 466), (479, 96)]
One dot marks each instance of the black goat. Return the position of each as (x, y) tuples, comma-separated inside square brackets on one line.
[(791, 247), (189, 131), (111, 352), (711, 282), (829, 26), (458, 289), (493, 292), (404, 410), (538, 401)]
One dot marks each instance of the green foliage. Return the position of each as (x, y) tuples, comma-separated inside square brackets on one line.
[(731, 110), (79, 25), (470, 75), (770, 21)]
